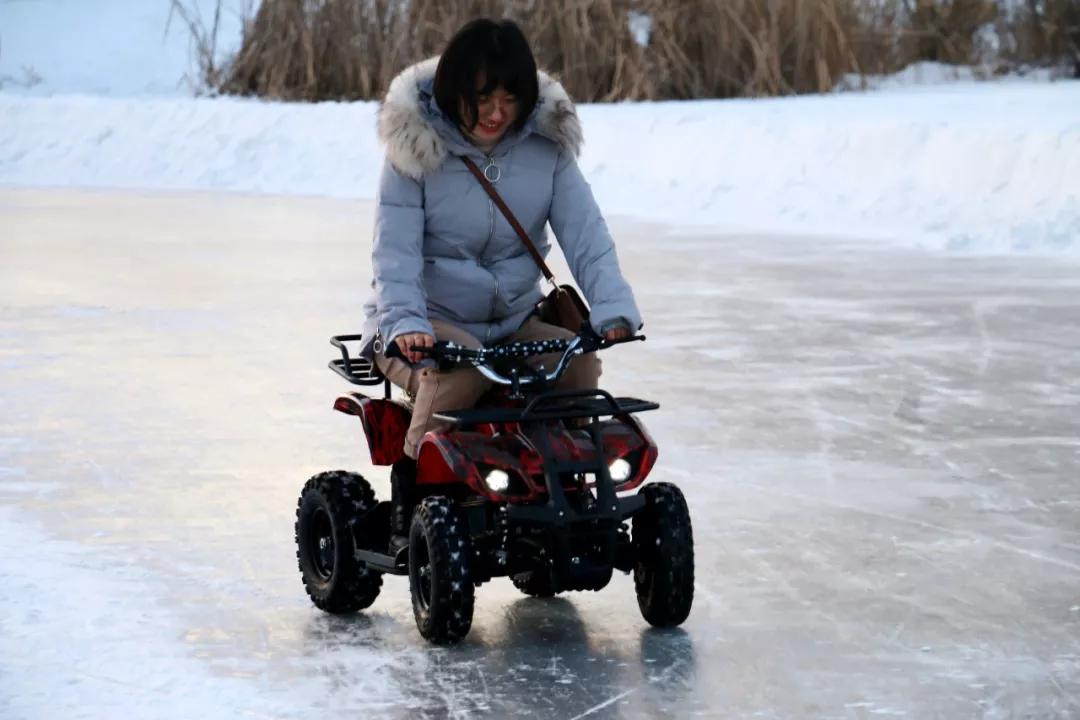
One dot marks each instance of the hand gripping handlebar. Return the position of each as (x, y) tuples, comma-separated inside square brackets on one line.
[(449, 354)]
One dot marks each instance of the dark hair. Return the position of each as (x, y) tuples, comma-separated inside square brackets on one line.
[(495, 51)]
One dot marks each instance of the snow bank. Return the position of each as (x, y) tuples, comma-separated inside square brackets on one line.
[(925, 74), (982, 167), (187, 143), (979, 167)]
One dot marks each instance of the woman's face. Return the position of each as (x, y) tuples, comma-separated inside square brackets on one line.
[(496, 112)]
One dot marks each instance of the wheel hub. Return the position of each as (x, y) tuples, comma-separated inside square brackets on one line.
[(322, 542)]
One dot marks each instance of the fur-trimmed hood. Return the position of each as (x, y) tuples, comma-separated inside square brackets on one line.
[(418, 137)]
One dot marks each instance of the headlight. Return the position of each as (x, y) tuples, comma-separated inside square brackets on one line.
[(620, 470), (497, 480)]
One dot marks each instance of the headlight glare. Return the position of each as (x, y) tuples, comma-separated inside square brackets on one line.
[(620, 470), (497, 480)]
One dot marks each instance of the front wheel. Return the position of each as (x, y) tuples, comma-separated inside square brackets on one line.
[(664, 556), (439, 578), (330, 505)]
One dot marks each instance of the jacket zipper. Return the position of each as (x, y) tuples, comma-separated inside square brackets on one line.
[(491, 218)]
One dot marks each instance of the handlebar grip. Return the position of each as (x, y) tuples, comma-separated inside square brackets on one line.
[(393, 351)]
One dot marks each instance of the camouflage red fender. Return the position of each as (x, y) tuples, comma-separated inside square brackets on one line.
[(384, 421)]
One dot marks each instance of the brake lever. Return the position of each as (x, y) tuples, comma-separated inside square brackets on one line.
[(592, 341), (620, 341)]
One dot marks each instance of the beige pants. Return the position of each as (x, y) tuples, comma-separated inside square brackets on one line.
[(460, 388)]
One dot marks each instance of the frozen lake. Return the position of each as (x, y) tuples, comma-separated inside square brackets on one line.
[(880, 447)]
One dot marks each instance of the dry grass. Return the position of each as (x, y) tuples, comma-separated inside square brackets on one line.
[(1044, 32), (722, 48), (203, 35), (351, 49), (347, 49), (945, 30), (340, 49)]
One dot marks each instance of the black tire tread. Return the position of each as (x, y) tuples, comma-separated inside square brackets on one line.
[(351, 588), (664, 545)]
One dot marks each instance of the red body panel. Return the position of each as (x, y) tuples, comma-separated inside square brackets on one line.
[(452, 456), (384, 421), (647, 448)]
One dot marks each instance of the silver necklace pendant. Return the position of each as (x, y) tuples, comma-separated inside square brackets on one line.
[(492, 171)]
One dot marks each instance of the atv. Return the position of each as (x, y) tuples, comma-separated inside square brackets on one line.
[(534, 483)]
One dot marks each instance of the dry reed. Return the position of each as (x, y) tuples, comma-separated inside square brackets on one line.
[(1042, 32), (351, 49)]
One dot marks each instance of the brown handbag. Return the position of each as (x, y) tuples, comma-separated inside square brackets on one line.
[(562, 306)]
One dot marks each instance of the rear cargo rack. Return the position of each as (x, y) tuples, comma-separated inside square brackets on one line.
[(357, 370)]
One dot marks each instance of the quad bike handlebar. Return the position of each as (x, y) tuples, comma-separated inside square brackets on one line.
[(489, 360)]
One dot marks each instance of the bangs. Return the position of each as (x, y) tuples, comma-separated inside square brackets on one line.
[(498, 73)]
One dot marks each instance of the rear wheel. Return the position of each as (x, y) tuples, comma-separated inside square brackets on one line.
[(664, 556), (330, 506), (439, 577)]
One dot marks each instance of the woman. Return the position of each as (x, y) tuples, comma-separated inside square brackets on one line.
[(447, 265)]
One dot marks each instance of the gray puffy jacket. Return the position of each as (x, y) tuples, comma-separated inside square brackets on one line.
[(443, 250)]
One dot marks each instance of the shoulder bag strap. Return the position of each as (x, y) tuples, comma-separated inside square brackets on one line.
[(537, 258)]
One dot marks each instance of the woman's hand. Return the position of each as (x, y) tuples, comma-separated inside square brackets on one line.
[(617, 333), (405, 343)]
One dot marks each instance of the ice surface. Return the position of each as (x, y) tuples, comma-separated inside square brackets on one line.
[(880, 449)]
